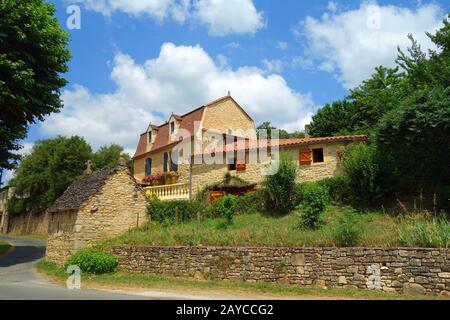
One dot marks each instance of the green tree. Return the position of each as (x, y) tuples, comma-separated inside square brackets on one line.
[(282, 134), (47, 171), (107, 157), (332, 119), (33, 56)]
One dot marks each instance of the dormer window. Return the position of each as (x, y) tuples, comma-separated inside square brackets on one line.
[(172, 127), (150, 137)]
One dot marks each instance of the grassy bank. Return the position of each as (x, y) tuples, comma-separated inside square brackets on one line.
[(376, 230), (4, 247), (120, 280)]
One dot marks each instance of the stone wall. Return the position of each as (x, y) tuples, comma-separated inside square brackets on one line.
[(118, 207), (409, 270), (26, 224)]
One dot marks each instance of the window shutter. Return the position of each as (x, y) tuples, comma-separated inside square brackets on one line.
[(240, 167), (166, 160), (305, 156)]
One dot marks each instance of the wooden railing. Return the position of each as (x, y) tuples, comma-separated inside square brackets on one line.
[(178, 191)]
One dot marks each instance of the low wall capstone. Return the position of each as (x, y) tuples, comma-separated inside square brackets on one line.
[(409, 270)]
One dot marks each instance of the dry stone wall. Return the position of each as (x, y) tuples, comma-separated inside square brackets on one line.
[(410, 270)]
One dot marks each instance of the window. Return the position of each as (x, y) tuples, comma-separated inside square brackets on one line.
[(317, 155), (150, 137), (174, 161), (166, 160), (148, 166), (232, 165), (172, 127)]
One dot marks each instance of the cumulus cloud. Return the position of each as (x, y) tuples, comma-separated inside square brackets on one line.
[(178, 80), (273, 66), (352, 43), (282, 45), (222, 17)]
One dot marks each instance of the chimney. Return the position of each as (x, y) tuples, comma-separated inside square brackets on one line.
[(122, 160), (88, 170)]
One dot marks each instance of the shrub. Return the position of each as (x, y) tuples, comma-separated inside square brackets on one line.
[(363, 174), (94, 262), (252, 202), (423, 233), (225, 207), (338, 189), (177, 210), (314, 202), (347, 231), (280, 189)]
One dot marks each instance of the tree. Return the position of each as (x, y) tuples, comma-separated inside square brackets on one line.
[(282, 134), (33, 56), (108, 157), (47, 171), (333, 119)]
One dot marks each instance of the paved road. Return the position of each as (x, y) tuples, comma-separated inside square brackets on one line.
[(18, 280)]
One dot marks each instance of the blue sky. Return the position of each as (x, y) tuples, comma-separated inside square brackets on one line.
[(136, 61)]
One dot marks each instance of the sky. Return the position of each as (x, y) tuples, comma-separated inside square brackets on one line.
[(134, 62)]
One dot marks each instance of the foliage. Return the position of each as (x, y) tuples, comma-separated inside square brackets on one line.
[(94, 262), (267, 129), (47, 171), (314, 202), (347, 231), (338, 189), (419, 232), (279, 188), (177, 211), (107, 157), (225, 207), (332, 119), (33, 56), (363, 172), (251, 202)]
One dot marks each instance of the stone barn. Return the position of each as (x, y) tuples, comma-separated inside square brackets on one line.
[(98, 206)]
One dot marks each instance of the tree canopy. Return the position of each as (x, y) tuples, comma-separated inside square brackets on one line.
[(33, 55)]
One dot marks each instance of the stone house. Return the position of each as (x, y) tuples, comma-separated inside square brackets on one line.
[(98, 206), (224, 131)]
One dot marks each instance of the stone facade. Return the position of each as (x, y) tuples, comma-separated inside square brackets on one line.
[(118, 206), (409, 270)]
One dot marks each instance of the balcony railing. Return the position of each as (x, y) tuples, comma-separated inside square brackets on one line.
[(178, 191)]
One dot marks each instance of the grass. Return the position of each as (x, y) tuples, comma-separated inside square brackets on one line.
[(28, 236), (4, 247), (377, 230), (246, 289)]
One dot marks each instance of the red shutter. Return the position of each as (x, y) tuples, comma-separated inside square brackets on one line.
[(240, 167), (305, 156)]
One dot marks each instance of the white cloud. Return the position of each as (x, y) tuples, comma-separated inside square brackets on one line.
[(354, 42), (233, 45), (273, 66), (302, 63), (9, 174), (229, 16), (282, 45), (222, 17), (178, 80)]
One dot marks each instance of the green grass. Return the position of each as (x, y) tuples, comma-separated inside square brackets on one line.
[(377, 230), (151, 282), (4, 247)]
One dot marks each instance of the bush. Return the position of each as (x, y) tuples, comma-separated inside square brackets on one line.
[(94, 262), (363, 174), (280, 188), (225, 207), (338, 189), (252, 202), (347, 231), (423, 233), (314, 202), (177, 211)]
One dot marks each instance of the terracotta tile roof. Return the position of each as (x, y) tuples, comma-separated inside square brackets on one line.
[(256, 144), (162, 138), (187, 122)]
